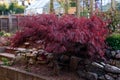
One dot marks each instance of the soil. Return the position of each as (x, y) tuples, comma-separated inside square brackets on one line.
[(43, 70)]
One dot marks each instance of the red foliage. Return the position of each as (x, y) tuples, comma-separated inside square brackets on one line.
[(63, 34)]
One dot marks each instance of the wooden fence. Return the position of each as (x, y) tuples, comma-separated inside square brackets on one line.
[(9, 73), (9, 23)]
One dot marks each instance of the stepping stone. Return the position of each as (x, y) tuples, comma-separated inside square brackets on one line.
[(7, 55)]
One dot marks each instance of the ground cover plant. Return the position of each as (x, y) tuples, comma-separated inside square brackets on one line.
[(114, 41), (4, 38), (67, 34)]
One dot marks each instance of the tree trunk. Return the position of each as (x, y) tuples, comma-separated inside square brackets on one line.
[(113, 4), (51, 6), (101, 5), (78, 8), (66, 6), (91, 7)]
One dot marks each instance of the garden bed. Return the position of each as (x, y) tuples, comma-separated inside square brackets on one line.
[(72, 48)]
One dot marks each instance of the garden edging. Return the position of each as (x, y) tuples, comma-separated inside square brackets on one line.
[(10, 73)]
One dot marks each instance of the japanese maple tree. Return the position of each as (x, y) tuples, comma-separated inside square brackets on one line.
[(62, 34)]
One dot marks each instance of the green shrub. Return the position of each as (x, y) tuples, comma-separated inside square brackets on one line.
[(1, 33), (5, 34), (15, 8), (5, 61), (72, 4), (114, 41), (11, 8), (3, 8)]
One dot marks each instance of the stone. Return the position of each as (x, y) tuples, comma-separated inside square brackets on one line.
[(108, 77), (113, 53), (74, 63), (18, 59), (97, 65), (50, 56), (28, 54), (50, 65), (34, 49), (27, 43), (88, 75), (108, 53), (31, 61), (101, 78), (102, 63), (118, 51), (81, 74), (35, 52), (2, 49), (64, 58), (118, 78), (21, 49), (113, 75), (117, 56), (41, 51), (92, 76), (112, 69), (112, 61), (117, 63), (87, 61), (56, 68)]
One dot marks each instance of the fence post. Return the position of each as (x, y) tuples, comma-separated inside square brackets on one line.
[(10, 22)]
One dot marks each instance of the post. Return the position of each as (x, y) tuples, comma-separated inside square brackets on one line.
[(66, 6), (51, 6), (113, 4), (78, 8), (10, 22), (91, 7), (101, 5)]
